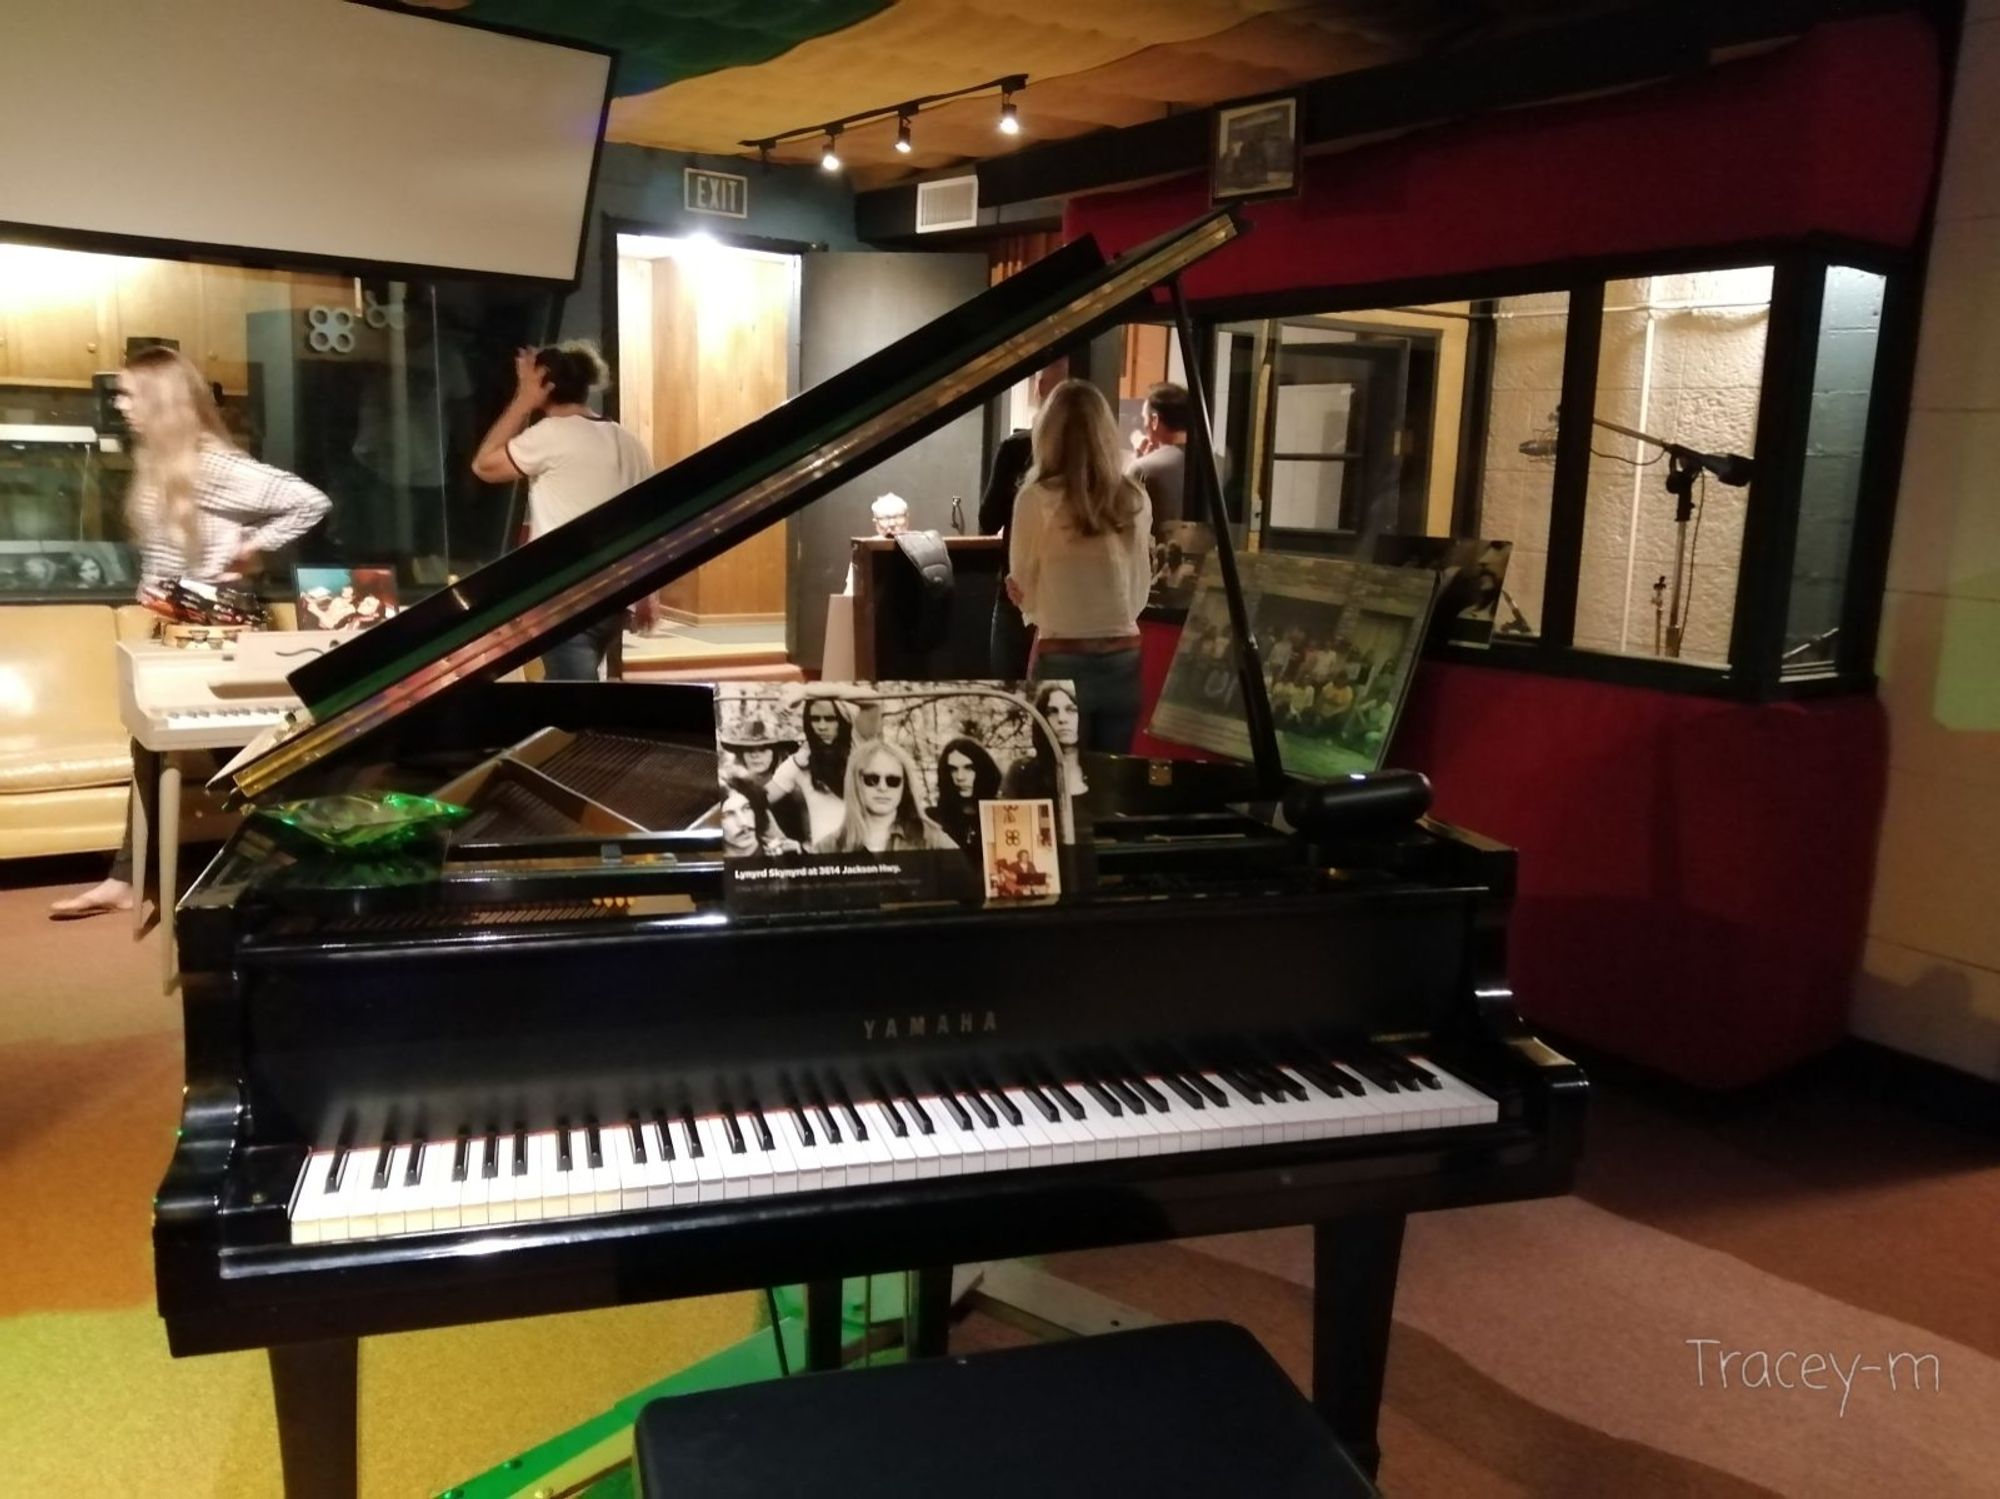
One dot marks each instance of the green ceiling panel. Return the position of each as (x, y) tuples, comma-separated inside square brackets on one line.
[(664, 41)]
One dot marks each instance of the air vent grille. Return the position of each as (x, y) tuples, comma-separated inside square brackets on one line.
[(950, 204)]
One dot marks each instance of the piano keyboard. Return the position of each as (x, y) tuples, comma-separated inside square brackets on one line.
[(826, 1140), (247, 721)]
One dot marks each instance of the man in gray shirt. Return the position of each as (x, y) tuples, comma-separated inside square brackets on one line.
[(1162, 465)]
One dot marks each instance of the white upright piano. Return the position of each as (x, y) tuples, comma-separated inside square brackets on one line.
[(177, 701)]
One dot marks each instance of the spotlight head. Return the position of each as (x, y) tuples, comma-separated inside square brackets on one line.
[(1010, 118), (829, 158), (903, 134)]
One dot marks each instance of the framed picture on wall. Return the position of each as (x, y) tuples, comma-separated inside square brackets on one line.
[(1256, 150)]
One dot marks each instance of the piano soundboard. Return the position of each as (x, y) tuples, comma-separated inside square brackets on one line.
[(196, 698)]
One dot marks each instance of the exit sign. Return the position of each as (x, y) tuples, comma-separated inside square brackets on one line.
[(721, 193)]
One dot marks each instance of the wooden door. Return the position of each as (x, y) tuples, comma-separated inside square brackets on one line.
[(704, 348)]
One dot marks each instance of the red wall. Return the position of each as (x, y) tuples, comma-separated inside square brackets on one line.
[(1694, 873), (1834, 133)]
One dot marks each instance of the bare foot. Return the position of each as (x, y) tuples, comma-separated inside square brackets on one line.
[(107, 895)]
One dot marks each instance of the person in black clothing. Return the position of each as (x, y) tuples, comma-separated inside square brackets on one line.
[(1008, 642)]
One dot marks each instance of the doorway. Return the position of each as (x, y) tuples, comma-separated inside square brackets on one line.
[(707, 342)]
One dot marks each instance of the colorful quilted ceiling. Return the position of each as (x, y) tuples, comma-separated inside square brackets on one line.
[(706, 75)]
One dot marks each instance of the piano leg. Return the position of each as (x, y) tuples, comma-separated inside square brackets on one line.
[(144, 811), (1354, 1302), (315, 1388), (822, 1325), (927, 1311)]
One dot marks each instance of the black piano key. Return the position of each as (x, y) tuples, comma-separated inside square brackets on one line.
[(980, 1107), (593, 1145), (1125, 1092), (1064, 1097), (816, 1107), (688, 1134), (917, 1110), (846, 1106), (1359, 1061), (1391, 1063), (1184, 1090), (336, 1168), (461, 1158), (520, 1150), (1321, 1079), (956, 1109), (1341, 1078), (890, 1112), (1277, 1080), (415, 1170), (1147, 1091), (1200, 1082), (1110, 1104), (565, 1161), (1247, 1089), (1042, 1101), (761, 1127), (638, 1140), (663, 1135), (1423, 1075), (803, 1124), (384, 1156), (1001, 1101), (732, 1132), (489, 1160)]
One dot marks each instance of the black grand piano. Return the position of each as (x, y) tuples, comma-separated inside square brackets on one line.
[(545, 1068)]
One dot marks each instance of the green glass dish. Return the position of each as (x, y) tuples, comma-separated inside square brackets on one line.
[(359, 823)]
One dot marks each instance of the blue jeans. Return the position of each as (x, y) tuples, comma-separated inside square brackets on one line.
[(1107, 693), (581, 657)]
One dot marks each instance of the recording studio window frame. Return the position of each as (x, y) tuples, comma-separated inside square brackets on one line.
[(1834, 579)]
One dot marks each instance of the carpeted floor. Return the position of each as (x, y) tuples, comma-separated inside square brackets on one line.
[(1540, 1348)]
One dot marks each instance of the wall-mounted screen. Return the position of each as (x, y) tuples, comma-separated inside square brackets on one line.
[(304, 129)]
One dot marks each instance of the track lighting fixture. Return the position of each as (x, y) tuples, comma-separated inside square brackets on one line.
[(905, 115)]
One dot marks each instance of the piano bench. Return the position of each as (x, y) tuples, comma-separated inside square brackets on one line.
[(1195, 1408)]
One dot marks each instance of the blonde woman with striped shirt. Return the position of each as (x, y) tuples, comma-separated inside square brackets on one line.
[(201, 508)]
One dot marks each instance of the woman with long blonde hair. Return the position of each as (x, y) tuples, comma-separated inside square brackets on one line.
[(201, 508), (1080, 562)]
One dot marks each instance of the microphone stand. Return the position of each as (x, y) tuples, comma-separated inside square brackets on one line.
[(1684, 467)]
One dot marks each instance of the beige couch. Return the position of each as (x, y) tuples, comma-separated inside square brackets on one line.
[(65, 758)]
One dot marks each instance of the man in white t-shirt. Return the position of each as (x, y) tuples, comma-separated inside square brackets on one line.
[(573, 459)]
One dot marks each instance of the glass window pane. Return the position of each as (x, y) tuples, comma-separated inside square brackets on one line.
[(1518, 467), (1843, 378), (376, 392), (1681, 360)]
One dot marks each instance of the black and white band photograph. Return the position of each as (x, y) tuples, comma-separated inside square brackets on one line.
[(880, 786)]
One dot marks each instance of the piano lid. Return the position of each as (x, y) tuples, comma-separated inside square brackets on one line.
[(511, 610)]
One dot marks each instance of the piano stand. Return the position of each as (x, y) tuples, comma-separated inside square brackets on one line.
[(315, 1387), (1354, 1303)]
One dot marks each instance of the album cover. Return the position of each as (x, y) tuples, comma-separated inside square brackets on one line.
[(1338, 642), (1019, 850), (840, 794), (342, 598)]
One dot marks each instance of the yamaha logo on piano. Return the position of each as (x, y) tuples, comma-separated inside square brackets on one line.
[(911, 1027)]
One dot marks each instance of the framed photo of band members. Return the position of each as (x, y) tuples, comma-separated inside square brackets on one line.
[(838, 795), (1256, 150), (1338, 641)]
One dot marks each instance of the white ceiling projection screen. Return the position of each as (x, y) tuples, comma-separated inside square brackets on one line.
[(302, 129)]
